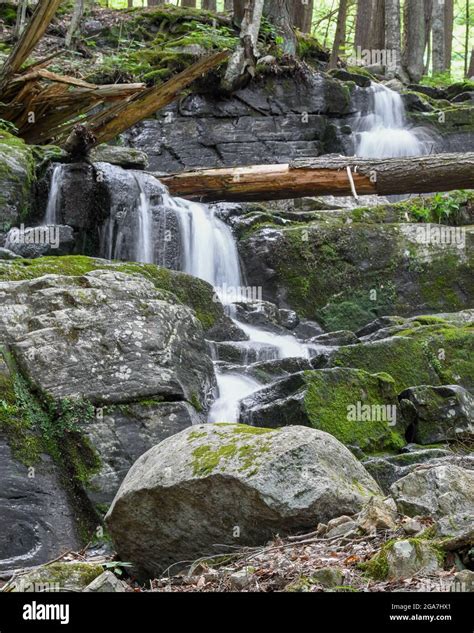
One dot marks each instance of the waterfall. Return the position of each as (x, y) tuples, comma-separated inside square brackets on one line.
[(54, 198), (144, 246), (384, 131)]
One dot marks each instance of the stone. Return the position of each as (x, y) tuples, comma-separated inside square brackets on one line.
[(464, 580), (6, 254), (412, 526), (288, 319), (125, 157), (67, 576), (105, 337), (307, 329), (347, 529), (41, 241), (285, 480), (343, 337), (363, 81), (438, 414), (328, 577), (409, 558), (377, 515), (107, 582), (358, 408), (241, 579), (17, 175), (445, 493)]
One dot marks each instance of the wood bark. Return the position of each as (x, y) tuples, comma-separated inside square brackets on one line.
[(448, 32), (109, 124), (209, 5), (303, 15), (414, 39), (325, 176), (77, 16), (370, 25), (241, 66), (340, 36), (470, 70), (32, 33), (393, 37), (228, 5), (439, 37), (280, 14), (21, 17)]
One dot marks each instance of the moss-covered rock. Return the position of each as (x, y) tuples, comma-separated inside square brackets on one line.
[(423, 355), (58, 577), (358, 408), (17, 173), (345, 275), (191, 291)]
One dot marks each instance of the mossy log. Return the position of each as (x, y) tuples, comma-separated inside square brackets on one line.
[(327, 175)]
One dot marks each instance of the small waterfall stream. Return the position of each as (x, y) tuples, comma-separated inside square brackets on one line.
[(383, 132), (142, 214)]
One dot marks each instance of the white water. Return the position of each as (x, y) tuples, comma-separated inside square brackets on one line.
[(384, 132), (54, 198), (144, 244), (232, 389)]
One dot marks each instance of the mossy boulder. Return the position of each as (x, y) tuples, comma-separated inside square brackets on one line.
[(358, 408), (17, 174), (191, 291), (400, 559), (231, 485), (345, 275), (436, 354), (58, 577)]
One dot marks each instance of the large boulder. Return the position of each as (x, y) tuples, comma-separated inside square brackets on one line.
[(106, 337), (219, 485), (17, 172), (438, 413), (358, 408), (445, 493)]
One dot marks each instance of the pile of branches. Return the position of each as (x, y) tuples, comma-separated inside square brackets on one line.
[(45, 107)]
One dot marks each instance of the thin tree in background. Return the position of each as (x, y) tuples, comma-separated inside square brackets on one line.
[(448, 33), (188, 3), (280, 14), (209, 5), (370, 25), (74, 25), (413, 39), (439, 37), (468, 70), (228, 5), (21, 17), (303, 15), (340, 37), (393, 36), (428, 6)]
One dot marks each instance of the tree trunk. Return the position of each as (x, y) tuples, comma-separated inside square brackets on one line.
[(280, 14), (414, 39), (75, 22), (303, 15), (370, 25), (439, 37), (241, 65), (470, 70), (151, 3), (209, 5), (428, 6), (340, 36), (188, 3), (326, 176), (239, 11), (393, 37), (448, 32), (21, 17), (228, 5)]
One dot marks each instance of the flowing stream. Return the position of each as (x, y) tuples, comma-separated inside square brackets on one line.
[(207, 247)]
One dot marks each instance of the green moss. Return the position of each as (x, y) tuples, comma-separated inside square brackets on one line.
[(63, 574), (331, 394), (207, 459), (17, 172), (193, 292)]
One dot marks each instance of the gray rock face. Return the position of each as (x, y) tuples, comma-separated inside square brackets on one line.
[(40, 241), (406, 559), (271, 121), (228, 485), (106, 337), (438, 413), (121, 434), (16, 180), (445, 493), (122, 156)]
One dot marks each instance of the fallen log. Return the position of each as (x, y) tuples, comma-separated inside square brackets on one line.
[(326, 175), (116, 119)]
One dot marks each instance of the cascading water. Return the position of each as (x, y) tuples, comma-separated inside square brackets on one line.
[(383, 132), (144, 244), (54, 199)]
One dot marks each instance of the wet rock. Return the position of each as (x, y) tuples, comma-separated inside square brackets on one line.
[(125, 157), (438, 414), (156, 508), (343, 337), (41, 241), (343, 75), (307, 329), (271, 370), (288, 319)]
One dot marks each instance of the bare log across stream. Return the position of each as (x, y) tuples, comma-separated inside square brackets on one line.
[(327, 175)]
